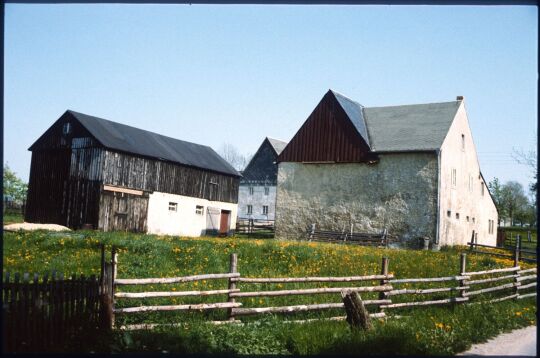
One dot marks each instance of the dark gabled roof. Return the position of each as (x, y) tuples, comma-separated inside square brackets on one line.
[(277, 144), (129, 139), (415, 127), (353, 110)]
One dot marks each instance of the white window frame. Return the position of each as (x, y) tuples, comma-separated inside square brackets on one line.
[(250, 209), (173, 206), (265, 209), (199, 209), (250, 188)]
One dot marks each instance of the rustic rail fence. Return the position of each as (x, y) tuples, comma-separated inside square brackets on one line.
[(382, 239), (257, 228), (464, 287), (42, 313), (527, 255)]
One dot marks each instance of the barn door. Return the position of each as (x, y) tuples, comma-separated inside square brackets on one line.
[(224, 223), (121, 212)]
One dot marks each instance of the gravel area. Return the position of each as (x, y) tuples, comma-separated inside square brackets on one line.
[(521, 342), (30, 227)]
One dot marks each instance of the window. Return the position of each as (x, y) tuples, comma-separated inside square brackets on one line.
[(490, 226), (265, 210), (463, 142), (457, 216), (67, 128), (199, 210), (467, 218), (473, 220), (250, 209), (266, 190), (449, 213), (250, 190), (454, 175), (482, 185), (173, 206)]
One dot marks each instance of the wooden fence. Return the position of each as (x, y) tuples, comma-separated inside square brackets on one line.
[(257, 228), (392, 293), (349, 237), (516, 252), (41, 314)]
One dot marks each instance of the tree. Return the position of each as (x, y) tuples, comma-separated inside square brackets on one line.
[(495, 189), (233, 156), (529, 159), (514, 200), (14, 187)]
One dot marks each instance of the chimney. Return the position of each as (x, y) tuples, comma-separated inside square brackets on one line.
[(460, 98)]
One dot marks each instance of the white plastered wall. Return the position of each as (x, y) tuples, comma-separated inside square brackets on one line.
[(257, 200), (474, 208), (185, 221)]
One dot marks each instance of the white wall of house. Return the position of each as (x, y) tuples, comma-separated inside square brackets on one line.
[(257, 200), (186, 221), (465, 203)]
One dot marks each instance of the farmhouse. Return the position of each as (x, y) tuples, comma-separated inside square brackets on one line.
[(257, 194), (87, 171), (411, 169)]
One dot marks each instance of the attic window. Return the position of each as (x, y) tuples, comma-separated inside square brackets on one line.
[(449, 213), (457, 216), (482, 189), (266, 190), (467, 218), (67, 128), (250, 190), (463, 142)]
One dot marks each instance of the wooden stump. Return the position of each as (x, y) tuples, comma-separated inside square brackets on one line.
[(357, 315)]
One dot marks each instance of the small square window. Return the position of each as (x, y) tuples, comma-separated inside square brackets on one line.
[(449, 213), (250, 209), (173, 206), (457, 216), (265, 210), (266, 190), (199, 210), (250, 190)]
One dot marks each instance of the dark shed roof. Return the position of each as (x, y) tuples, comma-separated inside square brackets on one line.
[(129, 139)]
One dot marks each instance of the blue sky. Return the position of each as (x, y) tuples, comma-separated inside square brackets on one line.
[(214, 74)]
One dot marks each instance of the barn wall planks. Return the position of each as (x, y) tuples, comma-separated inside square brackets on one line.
[(335, 137), (123, 212), (125, 170)]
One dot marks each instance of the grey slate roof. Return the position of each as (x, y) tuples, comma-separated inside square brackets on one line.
[(410, 127), (354, 112), (277, 144), (129, 139)]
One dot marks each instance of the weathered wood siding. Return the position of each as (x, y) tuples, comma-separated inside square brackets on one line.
[(123, 212), (65, 176), (327, 136), (151, 175)]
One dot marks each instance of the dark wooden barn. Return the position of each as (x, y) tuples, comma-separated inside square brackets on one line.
[(90, 171)]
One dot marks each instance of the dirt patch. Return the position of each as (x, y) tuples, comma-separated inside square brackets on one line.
[(29, 227), (521, 342)]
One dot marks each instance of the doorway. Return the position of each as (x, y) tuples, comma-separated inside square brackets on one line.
[(224, 222)]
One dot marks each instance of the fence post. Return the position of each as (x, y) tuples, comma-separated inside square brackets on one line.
[(462, 270), (114, 264), (516, 250), (233, 268), (472, 242), (384, 271), (529, 237), (101, 275), (516, 264)]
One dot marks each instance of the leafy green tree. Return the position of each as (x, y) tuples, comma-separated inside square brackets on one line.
[(514, 200), (14, 187), (495, 188)]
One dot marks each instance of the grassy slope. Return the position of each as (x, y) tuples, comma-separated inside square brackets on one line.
[(444, 330)]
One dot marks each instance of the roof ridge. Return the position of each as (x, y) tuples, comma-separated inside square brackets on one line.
[(346, 97), (413, 104)]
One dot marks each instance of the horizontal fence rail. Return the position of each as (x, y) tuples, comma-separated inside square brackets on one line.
[(465, 287)]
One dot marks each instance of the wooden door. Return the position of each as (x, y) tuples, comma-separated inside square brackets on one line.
[(224, 222)]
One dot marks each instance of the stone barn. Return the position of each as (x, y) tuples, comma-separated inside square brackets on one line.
[(257, 193), (95, 173), (412, 169)]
